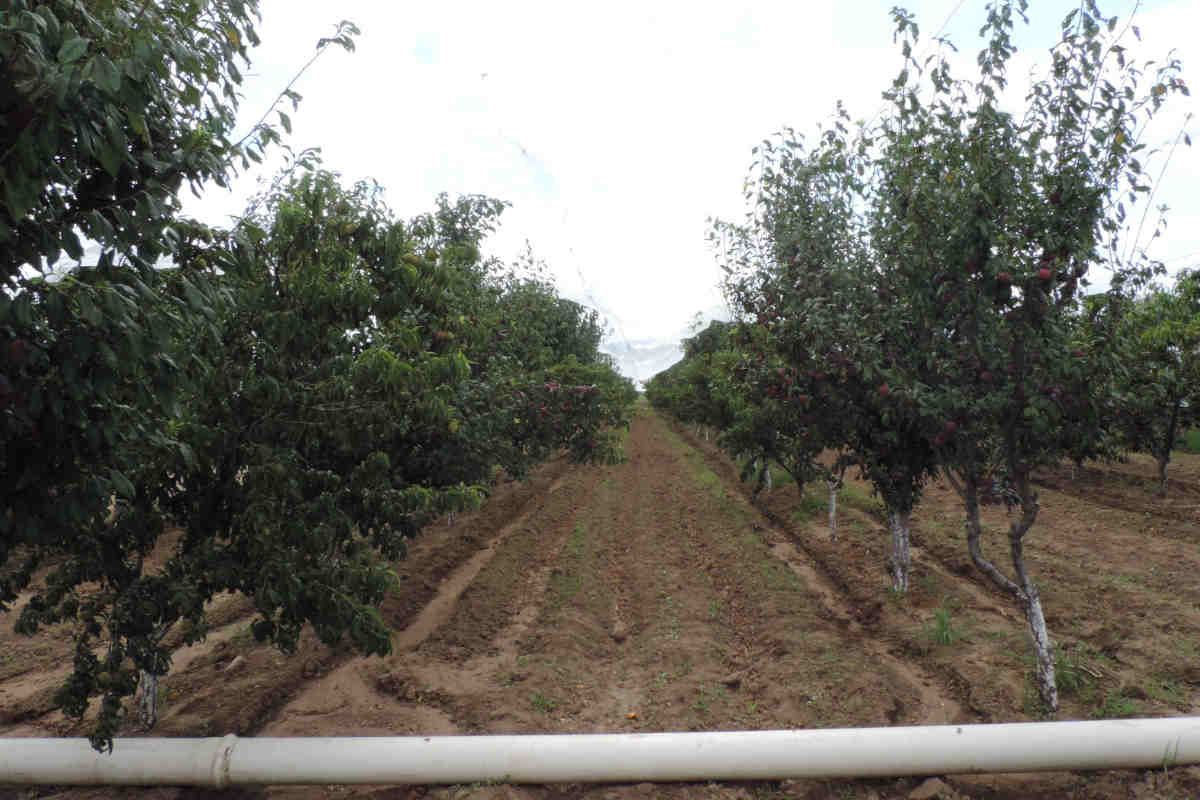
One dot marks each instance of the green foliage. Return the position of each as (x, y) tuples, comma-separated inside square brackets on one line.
[(301, 394), (107, 110), (316, 433), (1189, 442), (941, 630), (1115, 705), (1069, 669), (910, 292), (1159, 388), (695, 389), (541, 703), (105, 118)]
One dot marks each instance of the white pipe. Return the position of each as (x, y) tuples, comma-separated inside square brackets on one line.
[(609, 758)]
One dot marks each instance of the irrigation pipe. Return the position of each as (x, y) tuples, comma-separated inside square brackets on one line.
[(608, 758)]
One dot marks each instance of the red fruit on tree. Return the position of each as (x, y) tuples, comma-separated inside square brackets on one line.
[(1004, 279), (1044, 274), (17, 352), (951, 427), (883, 389), (986, 376)]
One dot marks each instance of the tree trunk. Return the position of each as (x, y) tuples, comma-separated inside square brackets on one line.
[(975, 546), (767, 478), (146, 699), (899, 559), (833, 494), (1031, 600), (1164, 456), (1032, 606)]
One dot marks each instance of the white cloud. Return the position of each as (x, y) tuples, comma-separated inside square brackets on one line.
[(613, 129)]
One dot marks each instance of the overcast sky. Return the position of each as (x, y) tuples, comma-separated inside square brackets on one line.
[(616, 129)]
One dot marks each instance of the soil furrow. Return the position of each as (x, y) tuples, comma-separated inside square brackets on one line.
[(851, 602), (660, 594)]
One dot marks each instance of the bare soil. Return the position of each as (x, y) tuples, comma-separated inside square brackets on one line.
[(661, 595)]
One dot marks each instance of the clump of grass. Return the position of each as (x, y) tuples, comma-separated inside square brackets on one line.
[(541, 703), (1114, 705), (1069, 671), (941, 631)]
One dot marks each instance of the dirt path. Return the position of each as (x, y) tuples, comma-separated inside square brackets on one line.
[(651, 596)]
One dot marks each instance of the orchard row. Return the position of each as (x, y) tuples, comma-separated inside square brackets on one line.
[(918, 296), (300, 393)]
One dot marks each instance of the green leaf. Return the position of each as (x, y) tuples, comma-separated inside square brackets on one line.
[(88, 310), (70, 243), (16, 200), (194, 298), (105, 74), (72, 49), (122, 484), (110, 158)]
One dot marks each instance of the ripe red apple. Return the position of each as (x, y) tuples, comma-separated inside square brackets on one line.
[(951, 427), (883, 390), (1044, 274), (1004, 279), (986, 376)]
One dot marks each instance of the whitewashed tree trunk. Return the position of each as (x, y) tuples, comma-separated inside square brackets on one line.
[(833, 497), (1023, 589), (146, 699), (1043, 647), (1031, 600), (767, 476), (899, 559), (1162, 474)]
